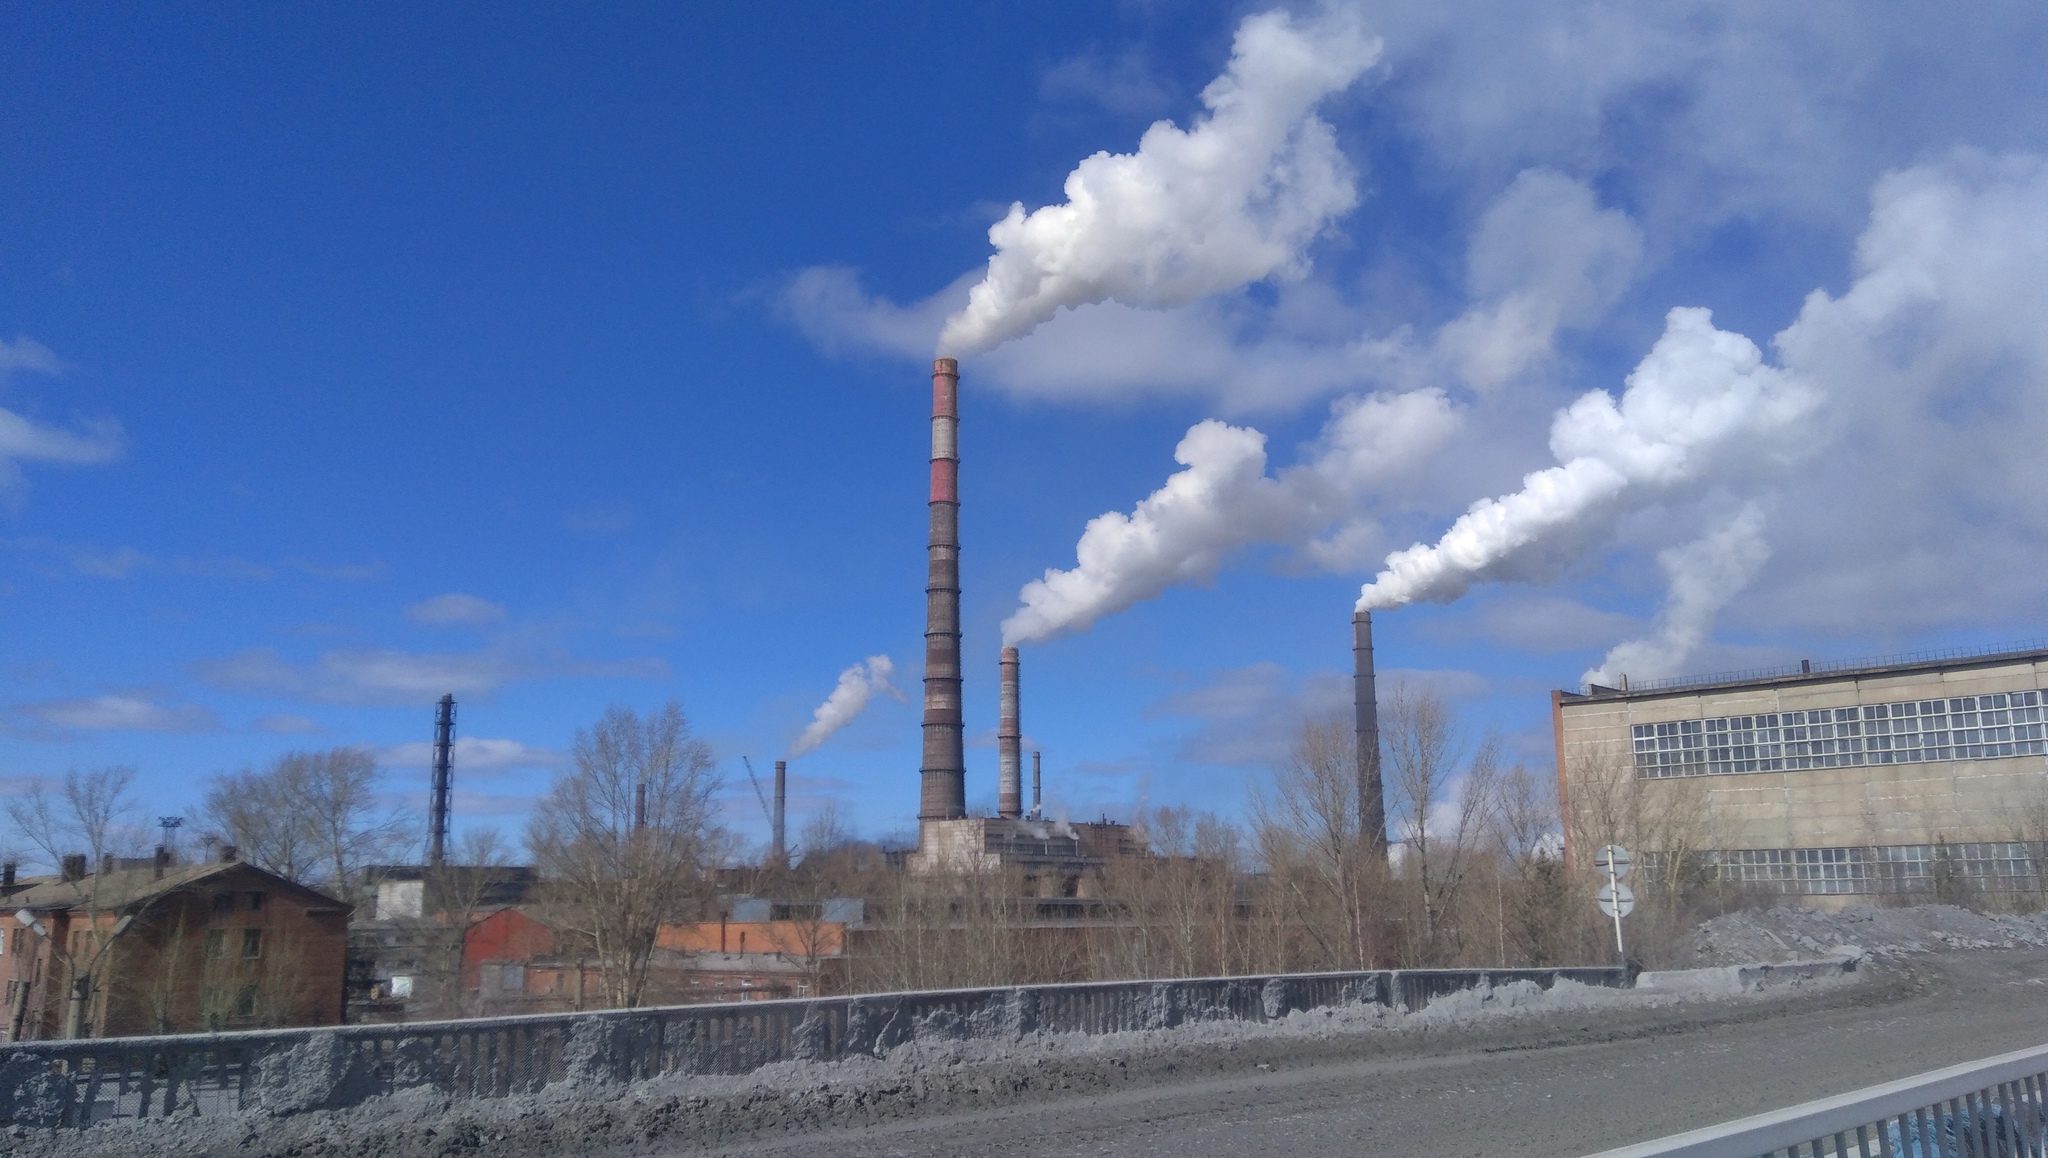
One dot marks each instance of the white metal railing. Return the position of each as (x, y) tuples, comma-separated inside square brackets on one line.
[(1984, 1109)]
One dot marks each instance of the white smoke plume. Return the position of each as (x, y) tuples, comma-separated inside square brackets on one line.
[(1704, 575), (1231, 201), (1700, 399), (857, 685), (1224, 500)]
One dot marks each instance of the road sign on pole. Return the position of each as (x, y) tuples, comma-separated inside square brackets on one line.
[(1617, 900), (1614, 857)]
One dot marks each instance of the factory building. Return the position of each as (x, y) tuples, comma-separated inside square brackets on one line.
[(1057, 858), (1921, 775)]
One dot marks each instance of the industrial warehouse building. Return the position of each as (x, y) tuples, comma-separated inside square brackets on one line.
[(1916, 775)]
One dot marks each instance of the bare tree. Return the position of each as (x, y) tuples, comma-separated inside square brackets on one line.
[(89, 812), (1443, 796), (625, 836), (1179, 915), (1309, 838), (263, 814), (311, 817)]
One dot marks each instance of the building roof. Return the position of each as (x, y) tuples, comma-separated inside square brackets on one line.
[(1808, 671), (126, 888)]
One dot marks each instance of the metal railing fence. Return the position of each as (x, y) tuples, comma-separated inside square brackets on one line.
[(1995, 1108), (78, 1083)]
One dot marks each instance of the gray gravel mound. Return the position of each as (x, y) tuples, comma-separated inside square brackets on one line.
[(1789, 933)]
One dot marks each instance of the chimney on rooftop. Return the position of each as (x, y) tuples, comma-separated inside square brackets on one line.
[(1372, 805), (7, 874), (229, 854), (943, 789), (1009, 743), (72, 867), (162, 860)]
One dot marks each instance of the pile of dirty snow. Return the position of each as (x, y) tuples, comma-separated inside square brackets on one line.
[(935, 1071), (1790, 933)]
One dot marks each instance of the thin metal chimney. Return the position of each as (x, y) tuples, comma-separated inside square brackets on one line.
[(1036, 803), (1009, 744), (778, 852), (1372, 803), (943, 788), (444, 779)]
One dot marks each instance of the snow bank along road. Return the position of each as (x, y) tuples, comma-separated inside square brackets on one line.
[(1513, 1072), (1561, 1083)]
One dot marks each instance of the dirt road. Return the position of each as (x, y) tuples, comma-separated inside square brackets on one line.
[(1562, 1086)]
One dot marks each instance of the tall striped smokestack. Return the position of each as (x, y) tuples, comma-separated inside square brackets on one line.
[(778, 848), (943, 792), (1372, 802), (1009, 744)]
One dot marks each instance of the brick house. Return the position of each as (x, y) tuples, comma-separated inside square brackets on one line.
[(146, 946)]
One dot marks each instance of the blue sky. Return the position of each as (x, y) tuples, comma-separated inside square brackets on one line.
[(617, 325)]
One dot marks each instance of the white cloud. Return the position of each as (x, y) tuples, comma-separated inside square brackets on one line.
[(1704, 575), (473, 755), (1702, 401), (1224, 500), (1544, 256), (1126, 83), (455, 609), (1231, 201), (24, 440), (122, 713), (285, 724), (1247, 717), (387, 676), (857, 685), (25, 353)]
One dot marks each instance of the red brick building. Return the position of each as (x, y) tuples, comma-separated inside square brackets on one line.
[(146, 946)]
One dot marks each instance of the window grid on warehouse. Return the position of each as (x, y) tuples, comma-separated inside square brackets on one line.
[(1993, 866), (1911, 732)]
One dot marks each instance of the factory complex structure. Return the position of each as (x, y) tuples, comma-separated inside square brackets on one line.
[(1915, 775)]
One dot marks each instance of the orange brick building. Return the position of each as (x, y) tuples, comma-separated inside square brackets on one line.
[(145, 946)]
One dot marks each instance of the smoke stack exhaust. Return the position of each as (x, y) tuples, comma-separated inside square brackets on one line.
[(1372, 804), (1036, 803), (778, 849), (943, 791), (1009, 744), (444, 777)]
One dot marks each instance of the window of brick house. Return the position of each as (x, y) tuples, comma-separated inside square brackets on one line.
[(245, 1002), (216, 944), (255, 902), (223, 902), (252, 944)]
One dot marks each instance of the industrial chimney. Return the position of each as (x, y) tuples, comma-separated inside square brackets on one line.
[(444, 777), (943, 791), (1036, 803), (1372, 804), (778, 851), (1009, 744)]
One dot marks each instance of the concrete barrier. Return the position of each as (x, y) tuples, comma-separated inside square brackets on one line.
[(290, 1071)]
